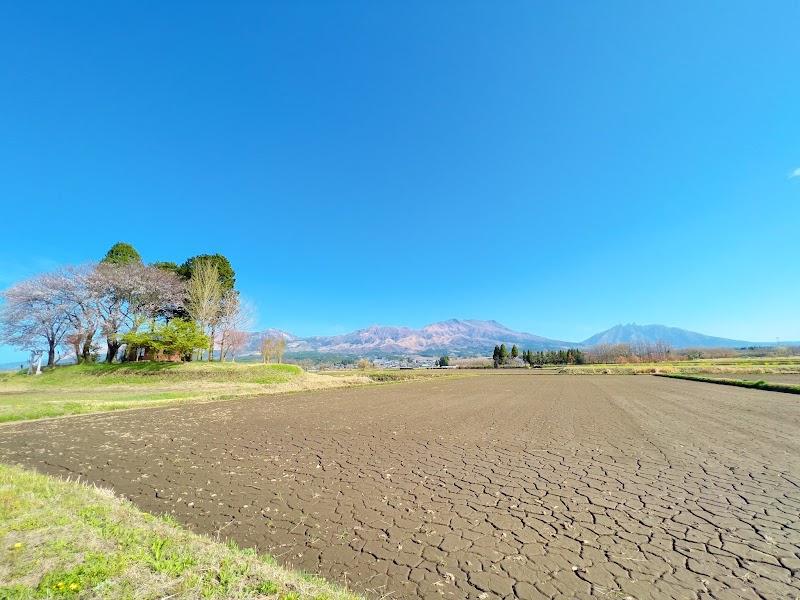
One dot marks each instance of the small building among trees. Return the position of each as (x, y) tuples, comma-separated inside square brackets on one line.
[(166, 342)]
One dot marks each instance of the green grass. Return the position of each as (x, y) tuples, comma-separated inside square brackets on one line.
[(67, 540), (153, 373), (40, 406), (758, 385)]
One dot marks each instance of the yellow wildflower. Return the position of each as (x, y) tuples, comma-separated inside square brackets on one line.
[(18, 545)]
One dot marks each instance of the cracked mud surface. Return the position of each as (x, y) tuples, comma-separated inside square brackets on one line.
[(487, 487)]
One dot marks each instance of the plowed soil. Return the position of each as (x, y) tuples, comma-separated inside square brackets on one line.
[(486, 487)]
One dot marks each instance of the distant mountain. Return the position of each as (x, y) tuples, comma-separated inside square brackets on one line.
[(677, 338), (467, 336), (472, 337), (459, 336)]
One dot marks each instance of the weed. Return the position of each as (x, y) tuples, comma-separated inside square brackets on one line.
[(266, 587), (157, 547)]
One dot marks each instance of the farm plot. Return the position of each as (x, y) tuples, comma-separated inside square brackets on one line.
[(487, 487)]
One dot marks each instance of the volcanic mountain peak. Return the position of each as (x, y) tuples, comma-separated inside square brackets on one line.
[(632, 333)]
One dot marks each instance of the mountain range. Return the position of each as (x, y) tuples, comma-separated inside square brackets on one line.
[(473, 337)]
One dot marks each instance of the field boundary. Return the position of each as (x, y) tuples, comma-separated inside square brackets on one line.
[(755, 385), (71, 391)]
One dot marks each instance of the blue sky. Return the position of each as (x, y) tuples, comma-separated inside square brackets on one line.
[(558, 167)]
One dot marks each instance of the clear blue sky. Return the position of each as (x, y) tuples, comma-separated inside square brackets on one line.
[(559, 167)]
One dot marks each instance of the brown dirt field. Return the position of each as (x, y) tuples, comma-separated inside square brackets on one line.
[(485, 487)]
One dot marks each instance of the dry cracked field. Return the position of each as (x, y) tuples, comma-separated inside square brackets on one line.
[(514, 486)]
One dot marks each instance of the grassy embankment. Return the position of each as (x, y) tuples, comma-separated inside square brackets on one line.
[(758, 385), (62, 539), (78, 389)]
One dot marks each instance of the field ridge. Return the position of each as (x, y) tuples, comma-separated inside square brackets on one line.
[(744, 383)]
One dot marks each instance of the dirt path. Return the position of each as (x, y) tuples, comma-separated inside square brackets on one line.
[(515, 487)]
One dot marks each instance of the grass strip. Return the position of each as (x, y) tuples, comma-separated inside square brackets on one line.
[(62, 539), (757, 385)]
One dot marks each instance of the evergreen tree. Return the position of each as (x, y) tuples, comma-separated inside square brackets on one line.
[(503, 354), (227, 276), (514, 351), (496, 356), (122, 254), (165, 265)]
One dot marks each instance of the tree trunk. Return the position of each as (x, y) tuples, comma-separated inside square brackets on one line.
[(86, 351), (113, 348), (51, 354), (211, 346)]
